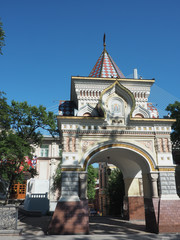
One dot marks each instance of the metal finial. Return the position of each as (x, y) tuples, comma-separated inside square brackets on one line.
[(104, 40)]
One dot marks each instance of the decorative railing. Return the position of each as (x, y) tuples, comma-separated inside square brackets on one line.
[(8, 217), (37, 195)]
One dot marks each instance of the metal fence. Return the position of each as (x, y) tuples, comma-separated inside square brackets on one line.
[(8, 217)]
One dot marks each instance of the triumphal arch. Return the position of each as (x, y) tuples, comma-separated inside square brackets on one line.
[(109, 118)]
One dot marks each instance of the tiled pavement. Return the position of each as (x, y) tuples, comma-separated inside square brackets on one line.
[(101, 228)]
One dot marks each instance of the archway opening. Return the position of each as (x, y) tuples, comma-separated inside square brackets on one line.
[(135, 170)]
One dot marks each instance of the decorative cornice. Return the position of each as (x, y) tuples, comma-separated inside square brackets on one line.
[(166, 169), (80, 118), (48, 158), (83, 169), (115, 132), (153, 120), (72, 169), (113, 79)]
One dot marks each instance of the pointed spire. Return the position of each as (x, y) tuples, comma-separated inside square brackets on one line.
[(104, 40), (105, 66)]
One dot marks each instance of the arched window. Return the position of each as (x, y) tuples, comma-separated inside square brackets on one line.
[(139, 115), (87, 114)]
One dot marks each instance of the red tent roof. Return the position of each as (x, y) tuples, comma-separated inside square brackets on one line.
[(106, 67)]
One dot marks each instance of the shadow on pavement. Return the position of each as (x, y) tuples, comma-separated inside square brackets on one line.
[(115, 225), (100, 228)]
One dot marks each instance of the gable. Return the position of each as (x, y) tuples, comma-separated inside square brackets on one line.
[(117, 102)]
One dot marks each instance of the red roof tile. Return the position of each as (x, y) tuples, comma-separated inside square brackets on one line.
[(106, 67)]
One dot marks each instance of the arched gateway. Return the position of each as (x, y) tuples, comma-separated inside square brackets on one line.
[(109, 119)]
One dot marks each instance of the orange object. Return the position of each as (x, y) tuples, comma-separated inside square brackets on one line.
[(18, 191)]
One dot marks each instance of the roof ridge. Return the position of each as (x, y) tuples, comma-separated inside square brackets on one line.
[(112, 63), (102, 58)]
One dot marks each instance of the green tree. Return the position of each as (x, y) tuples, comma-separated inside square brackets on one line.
[(13, 150), (91, 183), (115, 192), (57, 180), (4, 112), (174, 110), (27, 121), (56, 186), (2, 36), (20, 131), (96, 170)]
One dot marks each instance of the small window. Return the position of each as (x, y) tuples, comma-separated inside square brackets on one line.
[(44, 150)]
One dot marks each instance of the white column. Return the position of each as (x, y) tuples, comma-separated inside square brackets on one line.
[(154, 178), (83, 185)]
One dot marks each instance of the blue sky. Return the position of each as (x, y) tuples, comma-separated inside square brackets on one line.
[(48, 41)]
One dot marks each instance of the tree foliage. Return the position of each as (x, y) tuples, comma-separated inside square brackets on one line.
[(96, 170), (28, 120), (57, 179), (56, 186), (25, 120), (115, 192), (174, 109), (4, 112), (2, 36), (20, 126), (91, 183), (13, 149)]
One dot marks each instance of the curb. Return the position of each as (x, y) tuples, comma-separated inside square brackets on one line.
[(10, 232)]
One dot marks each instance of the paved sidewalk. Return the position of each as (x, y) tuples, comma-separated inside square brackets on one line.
[(115, 225), (96, 237), (97, 225), (101, 228)]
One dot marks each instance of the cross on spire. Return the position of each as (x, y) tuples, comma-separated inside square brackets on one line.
[(104, 40), (105, 66)]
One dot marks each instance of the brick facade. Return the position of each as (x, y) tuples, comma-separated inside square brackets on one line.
[(133, 208), (136, 208), (162, 215)]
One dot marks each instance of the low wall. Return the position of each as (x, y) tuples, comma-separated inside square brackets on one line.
[(37, 202)]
